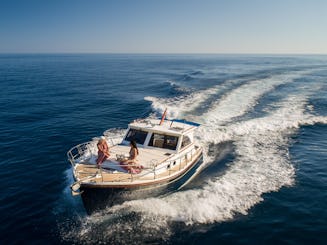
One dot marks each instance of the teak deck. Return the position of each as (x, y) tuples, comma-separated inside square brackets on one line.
[(83, 170)]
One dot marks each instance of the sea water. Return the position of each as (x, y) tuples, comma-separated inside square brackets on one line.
[(263, 128)]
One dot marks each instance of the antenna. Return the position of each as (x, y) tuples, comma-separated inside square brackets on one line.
[(172, 121)]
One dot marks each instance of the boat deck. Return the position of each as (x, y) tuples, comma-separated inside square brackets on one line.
[(85, 169), (147, 156)]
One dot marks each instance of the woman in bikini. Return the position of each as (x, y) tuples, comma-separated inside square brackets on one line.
[(132, 160), (103, 151)]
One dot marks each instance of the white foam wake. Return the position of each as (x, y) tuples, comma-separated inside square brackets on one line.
[(262, 165), (242, 99), (179, 106)]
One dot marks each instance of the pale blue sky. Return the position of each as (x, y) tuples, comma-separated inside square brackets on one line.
[(163, 26)]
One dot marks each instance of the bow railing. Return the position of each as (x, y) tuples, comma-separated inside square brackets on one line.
[(84, 151)]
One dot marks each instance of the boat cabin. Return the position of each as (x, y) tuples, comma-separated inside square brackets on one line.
[(171, 136)]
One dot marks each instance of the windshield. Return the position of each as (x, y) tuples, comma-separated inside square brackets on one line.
[(138, 135)]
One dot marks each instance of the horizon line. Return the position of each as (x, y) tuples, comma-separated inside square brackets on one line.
[(158, 53)]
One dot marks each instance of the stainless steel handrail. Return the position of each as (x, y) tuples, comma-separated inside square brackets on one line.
[(79, 150), (83, 147)]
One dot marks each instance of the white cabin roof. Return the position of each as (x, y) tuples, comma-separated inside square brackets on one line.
[(170, 127)]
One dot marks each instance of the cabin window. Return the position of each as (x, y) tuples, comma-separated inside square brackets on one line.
[(137, 135), (186, 141), (163, 141)]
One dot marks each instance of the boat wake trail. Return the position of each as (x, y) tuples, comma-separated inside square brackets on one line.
[(262, 165), (261, 162)]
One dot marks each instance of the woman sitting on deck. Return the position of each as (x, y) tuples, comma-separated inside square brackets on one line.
[(103, 151), (135, 168)]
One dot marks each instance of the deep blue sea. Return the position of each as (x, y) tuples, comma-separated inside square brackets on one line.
[(263, 127)]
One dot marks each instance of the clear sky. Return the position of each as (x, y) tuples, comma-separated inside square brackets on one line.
[(163, 26)]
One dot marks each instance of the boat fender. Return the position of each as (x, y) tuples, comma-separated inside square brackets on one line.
[(75, 187)]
